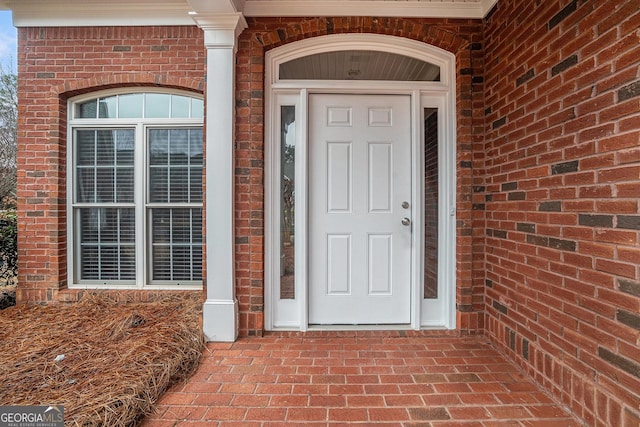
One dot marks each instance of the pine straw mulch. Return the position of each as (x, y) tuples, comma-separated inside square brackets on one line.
[(117, 358)]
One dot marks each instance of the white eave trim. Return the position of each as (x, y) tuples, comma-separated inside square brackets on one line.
[(74, 13), (87, 14), (408, 9), (487, 5)]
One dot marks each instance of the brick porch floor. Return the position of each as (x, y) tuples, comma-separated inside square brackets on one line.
[(366, 378)]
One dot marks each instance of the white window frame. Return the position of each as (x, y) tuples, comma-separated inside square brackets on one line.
[(142, 206), (292, 314)]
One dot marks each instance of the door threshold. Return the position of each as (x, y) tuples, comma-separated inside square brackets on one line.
[(394, 327)]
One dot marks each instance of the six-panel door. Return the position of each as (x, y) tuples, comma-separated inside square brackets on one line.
[(359, 215)]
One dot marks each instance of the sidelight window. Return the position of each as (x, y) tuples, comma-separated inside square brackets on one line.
[(287, 201)]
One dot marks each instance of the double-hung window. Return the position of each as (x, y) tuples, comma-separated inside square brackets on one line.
[(135, 190)]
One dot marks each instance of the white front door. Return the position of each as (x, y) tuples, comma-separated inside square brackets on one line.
[(359, 209)]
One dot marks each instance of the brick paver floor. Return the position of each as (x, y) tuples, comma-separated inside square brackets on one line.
[(366, 378)]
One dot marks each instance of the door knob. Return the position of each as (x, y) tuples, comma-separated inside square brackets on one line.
[(406, 221)]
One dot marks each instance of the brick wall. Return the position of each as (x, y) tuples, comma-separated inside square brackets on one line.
[(562, 124), (462, 37), (55, 64)]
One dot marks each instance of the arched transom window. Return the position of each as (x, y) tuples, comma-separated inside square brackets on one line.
[(359, 64)]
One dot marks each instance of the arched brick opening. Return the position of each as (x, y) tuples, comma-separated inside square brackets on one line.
[(461, 37), (97, 83), (57, 148)]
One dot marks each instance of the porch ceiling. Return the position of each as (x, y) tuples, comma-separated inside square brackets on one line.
[(181, 12), (406, 8)]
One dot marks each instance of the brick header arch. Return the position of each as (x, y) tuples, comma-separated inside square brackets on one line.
[(448, 36), (73, 88), (461, 37)]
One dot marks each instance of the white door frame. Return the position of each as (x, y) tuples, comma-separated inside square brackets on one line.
[(292, 314)]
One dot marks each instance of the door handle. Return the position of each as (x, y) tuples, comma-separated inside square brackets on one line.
[(406, 221)]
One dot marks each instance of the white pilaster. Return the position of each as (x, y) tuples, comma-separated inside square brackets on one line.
[(220, 311)]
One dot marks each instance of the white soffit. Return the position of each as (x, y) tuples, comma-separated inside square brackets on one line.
[(43, 13), (381, 8), (75, 13)]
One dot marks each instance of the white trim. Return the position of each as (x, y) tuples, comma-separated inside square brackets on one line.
[(220, 320), (340, 42), (74, 13), (408, 9), (288, 308), (134, 89), (221, 31), (68, 13), (140, 164), (417, 208), (433, 317), (423, 94), (302, 248), (218, 6), (487, 5)]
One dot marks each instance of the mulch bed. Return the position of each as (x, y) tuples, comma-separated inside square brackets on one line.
[(107, 362)]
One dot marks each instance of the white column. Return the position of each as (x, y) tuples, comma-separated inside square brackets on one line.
[(220, 311)]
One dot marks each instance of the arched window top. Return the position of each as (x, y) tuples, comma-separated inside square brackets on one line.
[(147, 105), (360, 57), (355, 64)]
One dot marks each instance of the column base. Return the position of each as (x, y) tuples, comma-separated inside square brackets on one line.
[(220, 320)]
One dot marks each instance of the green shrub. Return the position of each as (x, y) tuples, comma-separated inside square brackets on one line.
[(8, 244)]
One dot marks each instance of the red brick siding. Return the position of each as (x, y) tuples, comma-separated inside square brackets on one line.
[(462, 37), (562, 98), (55, 64)]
